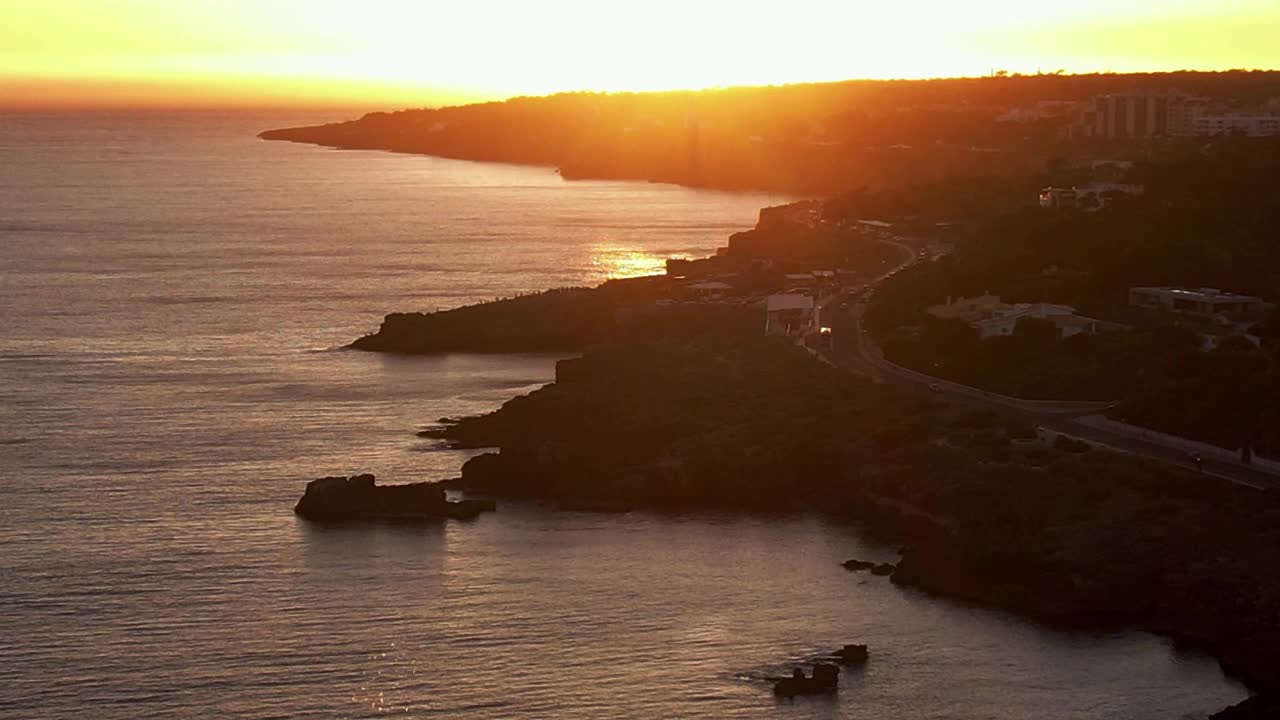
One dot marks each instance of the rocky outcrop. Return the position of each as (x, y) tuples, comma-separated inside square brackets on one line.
[(554, 321), (881, 569), (825, 679), (855, 655), (1075, 539), (359, 497), (1258, 707)]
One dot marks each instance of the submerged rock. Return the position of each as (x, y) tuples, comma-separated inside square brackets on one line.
[(359, 497)]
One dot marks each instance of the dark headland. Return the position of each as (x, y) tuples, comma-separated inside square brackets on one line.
[(806, 138), (680, 400)]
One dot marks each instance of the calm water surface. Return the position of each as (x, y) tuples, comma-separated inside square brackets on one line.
[(171, 294)]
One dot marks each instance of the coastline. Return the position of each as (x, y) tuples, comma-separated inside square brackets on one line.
[(952, 554), (676, 414), (322, 136)]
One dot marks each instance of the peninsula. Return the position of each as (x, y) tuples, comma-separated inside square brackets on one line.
[(726, 384), (681, 402), (807, 139)]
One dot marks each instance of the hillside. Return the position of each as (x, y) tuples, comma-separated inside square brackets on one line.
[(808, 138)]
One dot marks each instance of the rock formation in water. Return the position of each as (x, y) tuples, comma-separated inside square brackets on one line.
[(852, 655), (359, 497), (825, 679)]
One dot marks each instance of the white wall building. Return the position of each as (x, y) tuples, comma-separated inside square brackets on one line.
[(789, 314), (992, 318), (1249, 124), (1004, 321), (1198, 301)]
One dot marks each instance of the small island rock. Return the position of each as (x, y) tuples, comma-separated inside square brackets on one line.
[(825, 679), (359, 497), (852, 655)]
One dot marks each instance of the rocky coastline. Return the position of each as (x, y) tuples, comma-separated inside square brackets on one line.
[(685, 407), (750, 423)]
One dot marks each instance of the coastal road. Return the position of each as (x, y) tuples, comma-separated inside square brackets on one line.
[(855, 351)]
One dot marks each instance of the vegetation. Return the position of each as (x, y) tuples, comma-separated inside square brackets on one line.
[(754, 423), (1207, 220), (809, 138), (563, 320)]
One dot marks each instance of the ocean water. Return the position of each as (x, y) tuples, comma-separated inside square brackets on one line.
[(173, 294)]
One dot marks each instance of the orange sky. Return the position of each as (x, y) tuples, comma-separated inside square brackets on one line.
[(393, 53)]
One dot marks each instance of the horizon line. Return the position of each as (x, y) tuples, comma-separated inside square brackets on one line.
[(268, 104)]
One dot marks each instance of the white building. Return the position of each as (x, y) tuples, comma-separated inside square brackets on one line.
[(1055, 198), (1004, 321), (1090, 197), (992, 318), (1137, 114), (1199, 301), (1249, 124), (789, 314), (709, 289)]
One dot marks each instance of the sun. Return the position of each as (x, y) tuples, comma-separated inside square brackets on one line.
[(415, 52)]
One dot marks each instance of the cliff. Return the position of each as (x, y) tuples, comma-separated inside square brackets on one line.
[(565, 320), (755, 424)]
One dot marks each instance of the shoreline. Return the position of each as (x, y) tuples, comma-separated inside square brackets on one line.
[(689, 412), (297, 137), (926, 565)]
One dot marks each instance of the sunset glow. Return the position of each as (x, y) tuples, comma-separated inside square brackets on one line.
[(398, 52)]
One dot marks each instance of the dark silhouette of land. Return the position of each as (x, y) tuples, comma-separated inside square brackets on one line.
[(680, 400), (805, 138)]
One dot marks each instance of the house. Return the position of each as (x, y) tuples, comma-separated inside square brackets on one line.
[(800, 280), (993, 318), (877, 228), (1199, 301), (967, 309), (1054, 198), (709, 289), (1088, 197), (1004, 320), (790, 315), (1100, 194)]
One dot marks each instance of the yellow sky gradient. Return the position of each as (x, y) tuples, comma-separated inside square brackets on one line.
[(393, 53)]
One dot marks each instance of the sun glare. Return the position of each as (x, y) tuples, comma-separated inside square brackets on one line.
[(617, 262), (406, 50)]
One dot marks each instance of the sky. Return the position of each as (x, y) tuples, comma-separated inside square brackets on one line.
[(397, 53)]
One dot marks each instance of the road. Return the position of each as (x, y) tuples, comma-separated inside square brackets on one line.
[(854, 350)]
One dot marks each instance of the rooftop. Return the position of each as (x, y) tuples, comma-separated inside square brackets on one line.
[(1201, 294), (789, 302)]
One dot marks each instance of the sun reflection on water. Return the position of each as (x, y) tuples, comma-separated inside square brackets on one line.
[(616, 261)]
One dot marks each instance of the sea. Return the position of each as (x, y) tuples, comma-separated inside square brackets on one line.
[(175, 296)]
